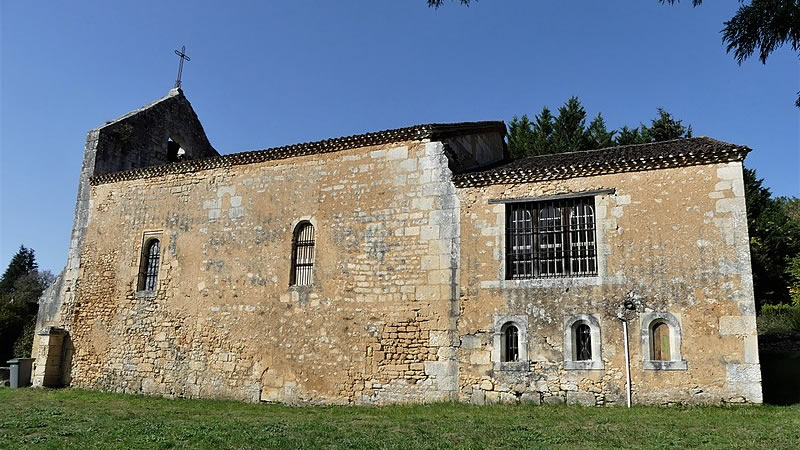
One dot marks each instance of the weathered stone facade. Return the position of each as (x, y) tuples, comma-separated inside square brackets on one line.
[(409, 286)]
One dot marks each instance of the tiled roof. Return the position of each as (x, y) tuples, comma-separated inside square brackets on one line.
[(626, 158), (433, 131)]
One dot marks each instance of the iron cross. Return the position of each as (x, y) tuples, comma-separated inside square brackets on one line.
[(182, 54)]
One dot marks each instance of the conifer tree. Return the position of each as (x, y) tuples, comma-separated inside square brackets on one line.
[(22, 263), (520, 136), (20, 287), (569, 128), (543, 133), (598, 134), (630, 136), (664, 127)]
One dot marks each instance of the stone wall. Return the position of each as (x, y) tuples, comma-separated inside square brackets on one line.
[(675, 240), (376, 326), (136, 140)]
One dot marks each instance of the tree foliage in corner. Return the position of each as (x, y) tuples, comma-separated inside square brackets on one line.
[(20, 288), (763, 25), (774, 228)]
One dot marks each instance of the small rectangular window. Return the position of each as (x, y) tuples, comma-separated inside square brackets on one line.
[(551, 239)]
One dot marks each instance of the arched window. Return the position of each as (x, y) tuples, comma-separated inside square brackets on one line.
[(583, 342), (148, 270), (302, 255), (510, 350), (510, 342), (661, 342), (582, 349)]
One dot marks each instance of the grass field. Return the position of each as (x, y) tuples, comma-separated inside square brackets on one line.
[(37, 418)]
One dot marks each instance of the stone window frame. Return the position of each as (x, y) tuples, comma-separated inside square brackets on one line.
[(570, 358), (141, 272), (540, 257), (501, 322), (676, 362), (604, 224)]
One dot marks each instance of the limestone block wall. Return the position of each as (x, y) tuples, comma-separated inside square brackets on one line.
[(675, 240), (138, 139), (377, 325)]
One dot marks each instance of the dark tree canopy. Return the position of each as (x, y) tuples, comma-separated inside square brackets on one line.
[(774, 229), (567, 132), (20, 287), (22, 263)]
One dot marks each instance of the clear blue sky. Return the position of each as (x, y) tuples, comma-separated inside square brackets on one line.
[(265, 74)]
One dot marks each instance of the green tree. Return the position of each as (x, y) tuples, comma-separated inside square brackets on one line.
[(520, 136), (598, 134), (665, 128), (630, 136), (22, 263), (526, 138), (543, 132), (763, 25), (774, 241), (20, 288), (569, 128)]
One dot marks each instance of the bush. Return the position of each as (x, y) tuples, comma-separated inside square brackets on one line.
[(780, 318)]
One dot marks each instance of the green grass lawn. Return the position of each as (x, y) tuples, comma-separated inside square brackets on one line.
[(68, 418)]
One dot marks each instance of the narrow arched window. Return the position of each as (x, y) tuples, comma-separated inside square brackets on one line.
[(510, 343), (583, 342), (148, 272), (302, 255), (660, 340)]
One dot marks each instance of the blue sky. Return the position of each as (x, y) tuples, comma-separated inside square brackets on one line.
[(272, 73)]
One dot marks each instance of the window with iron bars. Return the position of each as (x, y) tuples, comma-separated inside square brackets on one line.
[(302, 255), (148, 272), (551, 239), (510, 350)]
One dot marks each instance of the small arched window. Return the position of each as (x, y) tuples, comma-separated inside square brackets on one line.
[(302, 255), (583, 342), (660, 341), (148, 271), (510, 350), (582, 350)]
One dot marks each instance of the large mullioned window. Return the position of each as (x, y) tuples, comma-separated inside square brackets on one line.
[(551, 239)]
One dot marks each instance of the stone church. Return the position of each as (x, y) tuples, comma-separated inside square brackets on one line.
[(410, 265)]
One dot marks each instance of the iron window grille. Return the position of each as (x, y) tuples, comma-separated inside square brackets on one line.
[(302, 255), (148, 275), (551, 239), (583, 342), (511, 337)]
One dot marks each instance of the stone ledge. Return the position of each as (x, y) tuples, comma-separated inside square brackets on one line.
[(664, 365)]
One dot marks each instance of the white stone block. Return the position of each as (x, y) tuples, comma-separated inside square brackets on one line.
[(397, 153), (730, 172), (737, 325)]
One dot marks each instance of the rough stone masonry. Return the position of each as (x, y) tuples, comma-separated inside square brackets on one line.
[(441, 270)]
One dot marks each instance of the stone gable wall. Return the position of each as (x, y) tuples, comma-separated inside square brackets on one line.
[(674, 238)]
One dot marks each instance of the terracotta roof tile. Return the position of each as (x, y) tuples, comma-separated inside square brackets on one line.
[(627, 158), (433, 131)]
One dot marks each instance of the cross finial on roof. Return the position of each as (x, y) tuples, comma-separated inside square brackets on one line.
[(183, 55)]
